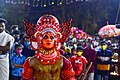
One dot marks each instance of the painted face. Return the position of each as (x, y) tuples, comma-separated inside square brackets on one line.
[(48, 40)]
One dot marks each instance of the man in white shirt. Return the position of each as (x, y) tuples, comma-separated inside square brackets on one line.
[(6, 42)]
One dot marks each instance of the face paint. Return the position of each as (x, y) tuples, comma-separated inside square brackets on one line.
[(79, 53), (48, 40)]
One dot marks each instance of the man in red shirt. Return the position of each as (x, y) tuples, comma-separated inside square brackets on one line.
[(79, 62)]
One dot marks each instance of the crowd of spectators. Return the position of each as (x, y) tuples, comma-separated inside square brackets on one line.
[(99, 53)]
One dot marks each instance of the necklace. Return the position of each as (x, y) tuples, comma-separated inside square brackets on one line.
[(48, 57)]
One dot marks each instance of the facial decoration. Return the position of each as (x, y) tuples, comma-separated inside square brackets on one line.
[(48, 40), (47, 31)]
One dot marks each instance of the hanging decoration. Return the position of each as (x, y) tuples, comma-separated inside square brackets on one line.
[(59, 2), (43, 3), (51, 2), (27, 2)]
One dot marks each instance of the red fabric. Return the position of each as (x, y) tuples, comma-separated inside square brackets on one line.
[(67, 72), (78, 62), (40, 56), (28, 71)]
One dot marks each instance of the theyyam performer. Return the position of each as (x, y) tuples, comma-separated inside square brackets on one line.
[(45, 38)]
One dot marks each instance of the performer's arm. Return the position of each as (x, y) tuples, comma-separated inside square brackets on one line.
[(67, 72), (28, 72)]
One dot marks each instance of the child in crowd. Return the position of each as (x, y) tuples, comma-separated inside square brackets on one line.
[(16, 63), (79, 63), (27, 50), (67, 53)]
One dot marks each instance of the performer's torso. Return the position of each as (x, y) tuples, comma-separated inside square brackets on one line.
[(47, 72)]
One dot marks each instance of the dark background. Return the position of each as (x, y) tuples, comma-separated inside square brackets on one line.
[(88, 15)]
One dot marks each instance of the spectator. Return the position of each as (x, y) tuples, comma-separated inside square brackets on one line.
[(16, 63), (27, 51), (13, 28), (103, 61), (70, 44), (79, 63), (90, 54), (73, 51), (79, 42), (6, 42), (16, 35), (67, 53)]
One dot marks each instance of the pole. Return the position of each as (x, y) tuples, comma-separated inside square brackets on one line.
[(117, 13)]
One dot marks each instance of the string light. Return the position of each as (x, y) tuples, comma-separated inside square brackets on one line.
[(52, 3), (44, 3), (28, 2), (60, 3)]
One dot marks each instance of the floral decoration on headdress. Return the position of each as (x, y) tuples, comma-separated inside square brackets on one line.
[(46, 23)]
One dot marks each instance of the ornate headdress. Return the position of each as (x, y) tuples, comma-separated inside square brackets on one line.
[(46, 23)]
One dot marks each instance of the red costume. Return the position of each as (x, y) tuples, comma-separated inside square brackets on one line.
[(45, 38)]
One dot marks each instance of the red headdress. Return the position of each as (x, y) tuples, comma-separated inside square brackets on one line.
[(44, 24)]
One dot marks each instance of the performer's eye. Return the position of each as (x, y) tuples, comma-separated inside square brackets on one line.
[(45, 37), (51, 37)]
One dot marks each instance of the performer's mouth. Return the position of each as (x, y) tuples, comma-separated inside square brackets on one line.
[(48, 43)]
